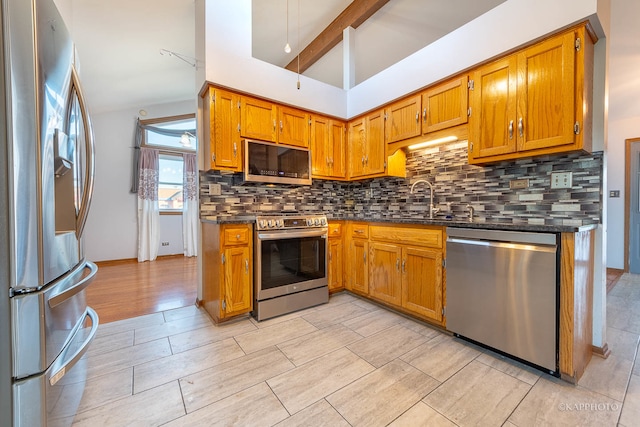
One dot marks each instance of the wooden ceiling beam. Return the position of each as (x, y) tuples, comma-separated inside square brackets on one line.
[(354, 15)]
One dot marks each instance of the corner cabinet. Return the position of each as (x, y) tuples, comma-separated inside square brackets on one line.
[(227, 288), (368, 156), (224, 149), (535, 101)]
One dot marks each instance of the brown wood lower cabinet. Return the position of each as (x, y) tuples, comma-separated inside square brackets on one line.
[(399, 265), (227, 266), (336, 257)]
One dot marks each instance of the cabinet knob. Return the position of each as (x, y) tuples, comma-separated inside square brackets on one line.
[(235, 149), (417, 116), (424, 114), (237, 236), (246, 266)]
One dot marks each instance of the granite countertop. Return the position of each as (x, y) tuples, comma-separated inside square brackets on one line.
[(552, 228)]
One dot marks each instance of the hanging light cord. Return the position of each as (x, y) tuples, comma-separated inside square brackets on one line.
[(298, 44)]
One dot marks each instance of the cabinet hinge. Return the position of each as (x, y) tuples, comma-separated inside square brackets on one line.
[(444, 262), (224, 305), (238, 105), (238, 127), (309, 122), (213, 98), (470, 84), (213, 157), (576, 128), (444, 310), (386, 116), (471, 146), (223, 258), (469, 112), (385, 165), (578, 44)]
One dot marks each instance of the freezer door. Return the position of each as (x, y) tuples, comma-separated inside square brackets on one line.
[(47, 398), (44, 321)]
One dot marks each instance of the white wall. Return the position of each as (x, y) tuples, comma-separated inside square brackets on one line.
[(111, 231), (624, 116)]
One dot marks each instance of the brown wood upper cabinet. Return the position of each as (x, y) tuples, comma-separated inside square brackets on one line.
[(328, 148), (535, 101), (224, 149), (439, 107), (266, 121), (368, 155)]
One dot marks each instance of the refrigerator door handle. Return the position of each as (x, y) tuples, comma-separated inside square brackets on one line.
[(61, 296), (87, 194), (69, 362)]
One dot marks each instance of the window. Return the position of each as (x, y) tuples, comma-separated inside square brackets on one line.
[(172, 136)]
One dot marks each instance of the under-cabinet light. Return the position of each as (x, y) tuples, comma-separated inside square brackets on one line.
[(433, 142)]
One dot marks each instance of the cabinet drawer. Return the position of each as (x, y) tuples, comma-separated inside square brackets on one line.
[(237, 236), (406, 235), (335, 230), (360, 230)]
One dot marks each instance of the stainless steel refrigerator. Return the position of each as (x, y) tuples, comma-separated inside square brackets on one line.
[(47, 166)]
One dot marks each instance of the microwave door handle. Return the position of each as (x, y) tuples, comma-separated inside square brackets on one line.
[(87, 194)]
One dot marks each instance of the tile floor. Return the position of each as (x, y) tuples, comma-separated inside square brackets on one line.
[(348, 362)]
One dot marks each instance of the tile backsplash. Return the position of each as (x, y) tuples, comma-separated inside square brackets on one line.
[(456, 186)]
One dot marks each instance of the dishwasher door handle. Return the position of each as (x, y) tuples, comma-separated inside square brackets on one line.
[(506, 245)]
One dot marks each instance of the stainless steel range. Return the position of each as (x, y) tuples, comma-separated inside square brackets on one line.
[(290, 264)]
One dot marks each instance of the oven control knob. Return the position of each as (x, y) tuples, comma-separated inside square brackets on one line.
[(263, 223), (309, 221), (316, 221), (323, 221), (279, 223), (270, 223)]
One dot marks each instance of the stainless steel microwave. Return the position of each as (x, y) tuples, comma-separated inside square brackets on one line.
[(276, 163)]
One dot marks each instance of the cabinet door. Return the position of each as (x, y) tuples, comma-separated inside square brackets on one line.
[(358, 275), (445, 105), (258, 119), (422, 282), (384, 273), (337, 149), (357, 147), (493, 109), (546, 94), (237, 289), (376, 152), (403, 119), (336, 281), (225, 131), (293, 127), (320, 150)]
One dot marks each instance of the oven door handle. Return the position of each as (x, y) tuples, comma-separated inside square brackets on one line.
[(279, 235)]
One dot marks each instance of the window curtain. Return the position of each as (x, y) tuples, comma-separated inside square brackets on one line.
[(190, 205), (137, 143), (148, 209)]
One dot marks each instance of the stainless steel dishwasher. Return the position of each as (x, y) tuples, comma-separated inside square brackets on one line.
[(502, 292)]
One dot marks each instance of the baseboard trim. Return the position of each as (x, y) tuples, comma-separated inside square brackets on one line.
[(602, 352), (133, 260)]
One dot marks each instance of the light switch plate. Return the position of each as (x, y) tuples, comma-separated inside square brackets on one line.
[(214, 189), (561, 179)]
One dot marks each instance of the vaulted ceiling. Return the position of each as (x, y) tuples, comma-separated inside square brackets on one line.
[(120, 42)]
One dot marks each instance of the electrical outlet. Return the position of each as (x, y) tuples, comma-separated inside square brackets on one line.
[(515, 184), (165, 243), (215, 189), (561, 180)]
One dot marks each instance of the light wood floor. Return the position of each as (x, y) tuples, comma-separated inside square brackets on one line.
[(125, 289)]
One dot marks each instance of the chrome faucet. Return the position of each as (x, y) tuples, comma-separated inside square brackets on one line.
[(432, 208)]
